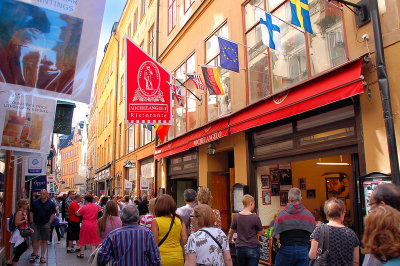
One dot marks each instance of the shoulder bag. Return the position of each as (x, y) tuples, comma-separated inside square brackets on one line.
[(213, 238), (166, 235), (323, 248)]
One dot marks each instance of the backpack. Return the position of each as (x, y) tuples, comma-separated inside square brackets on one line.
[(11, 223)]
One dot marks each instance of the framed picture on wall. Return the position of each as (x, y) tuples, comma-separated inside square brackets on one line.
[(265, 182), (266, 197), (275, 188), (302, 183), (283, 196), (273, 172), (285, 176), (311, 194), (337, 187)]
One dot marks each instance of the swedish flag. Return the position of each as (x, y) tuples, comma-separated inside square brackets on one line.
[(301, 14)]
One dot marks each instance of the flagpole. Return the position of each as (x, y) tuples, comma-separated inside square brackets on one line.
[(199, 99)]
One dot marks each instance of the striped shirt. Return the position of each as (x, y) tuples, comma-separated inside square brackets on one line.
[(130, 245)]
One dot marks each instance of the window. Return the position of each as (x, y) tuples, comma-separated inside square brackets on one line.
[(270, 71), (135, 21), (142, 45), (171, 15), (130, 139), (151, 42), (218, 105), (146, 136), (188, 3), (121, 93), (129, 32), (186, 117), (327, 45), (120, 140), (110, 147), (143, 9)]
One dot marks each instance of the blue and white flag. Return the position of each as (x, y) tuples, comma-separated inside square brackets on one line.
[(270, 31)]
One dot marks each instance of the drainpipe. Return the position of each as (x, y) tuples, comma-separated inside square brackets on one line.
[(157, 55), (384, 90), (116, 109)]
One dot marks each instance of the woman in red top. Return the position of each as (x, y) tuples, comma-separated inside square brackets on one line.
[(88, 234), (21, 221)]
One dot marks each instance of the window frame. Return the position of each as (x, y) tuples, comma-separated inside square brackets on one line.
[(142, 9), (306, 44), (186, 8), (135, 21), (174, 18), (150, 41)]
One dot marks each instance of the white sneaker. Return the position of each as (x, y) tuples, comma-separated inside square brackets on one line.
[(58, 242), (48, 242)]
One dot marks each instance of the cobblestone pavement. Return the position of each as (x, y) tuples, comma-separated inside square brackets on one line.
[(56, 256)]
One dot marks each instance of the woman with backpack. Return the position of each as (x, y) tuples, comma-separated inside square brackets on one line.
[(20, 222)]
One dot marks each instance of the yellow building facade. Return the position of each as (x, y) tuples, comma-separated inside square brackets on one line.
[(271, 130), (70, 162)]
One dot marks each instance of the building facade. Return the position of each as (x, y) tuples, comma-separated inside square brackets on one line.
[(309, 116), (70, 152)]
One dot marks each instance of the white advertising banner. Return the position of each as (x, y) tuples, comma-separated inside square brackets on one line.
[(128, 185), (49, 47), (26, 122)]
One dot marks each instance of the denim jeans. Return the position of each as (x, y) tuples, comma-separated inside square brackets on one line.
[(248, 256), (292, 255)]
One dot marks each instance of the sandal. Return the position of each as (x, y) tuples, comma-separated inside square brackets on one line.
[(33, 258), (43, 260), (81, 256)]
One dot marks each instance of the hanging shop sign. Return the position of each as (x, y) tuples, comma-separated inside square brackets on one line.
[(49, 47), (26, 122), (63, 117), (128, 185), (148, 93), (130, 164), (39, 183), (35, 165)]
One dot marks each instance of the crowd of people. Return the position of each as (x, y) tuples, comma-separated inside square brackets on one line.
[(156, 232)]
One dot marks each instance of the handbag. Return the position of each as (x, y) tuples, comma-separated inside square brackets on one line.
[(165, 237), (25, 232), (323, 248)]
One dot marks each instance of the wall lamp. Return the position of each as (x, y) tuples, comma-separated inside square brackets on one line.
[(211, 148)]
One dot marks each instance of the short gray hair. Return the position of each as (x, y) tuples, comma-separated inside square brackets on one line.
[(129, 214), (294, 194), (189, 195)]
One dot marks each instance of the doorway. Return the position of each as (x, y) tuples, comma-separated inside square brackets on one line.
[(220, 186), (178, 186)]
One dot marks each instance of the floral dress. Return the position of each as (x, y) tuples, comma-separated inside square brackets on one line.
[(206, 249)]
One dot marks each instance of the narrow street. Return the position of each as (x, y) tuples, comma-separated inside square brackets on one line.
[(56, 256)]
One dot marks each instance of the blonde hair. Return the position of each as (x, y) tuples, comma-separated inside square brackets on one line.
[(152, 203), (22, 202), (204, 195), (247, 199)]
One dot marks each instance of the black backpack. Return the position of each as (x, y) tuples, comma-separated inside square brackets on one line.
[(11, 223)]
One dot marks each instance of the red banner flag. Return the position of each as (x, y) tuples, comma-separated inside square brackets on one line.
[(148, 95)]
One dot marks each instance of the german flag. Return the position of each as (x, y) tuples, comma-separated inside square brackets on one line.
[(213, 83)]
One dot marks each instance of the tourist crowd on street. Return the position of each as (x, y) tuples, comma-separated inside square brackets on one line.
[(155, 231)]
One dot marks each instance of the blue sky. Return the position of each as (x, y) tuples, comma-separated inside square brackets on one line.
[(112, 13)]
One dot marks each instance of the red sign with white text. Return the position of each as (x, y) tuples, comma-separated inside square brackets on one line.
[(148, 94)]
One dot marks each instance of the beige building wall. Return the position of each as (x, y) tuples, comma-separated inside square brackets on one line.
[(374, 132)]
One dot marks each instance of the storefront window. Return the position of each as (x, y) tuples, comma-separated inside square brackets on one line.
[(327, 45), (289, 66), (146, 175)]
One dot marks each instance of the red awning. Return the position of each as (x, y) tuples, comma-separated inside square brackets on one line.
[(197, 137), (340, 83)]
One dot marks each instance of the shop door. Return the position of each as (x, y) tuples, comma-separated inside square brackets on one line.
[(221, 195)]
